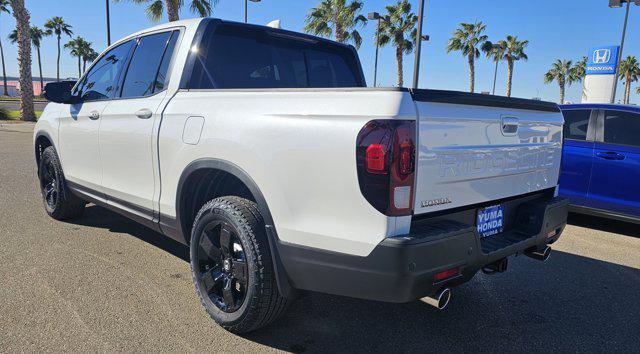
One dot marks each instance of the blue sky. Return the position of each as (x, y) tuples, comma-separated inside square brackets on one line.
[(556, 29)]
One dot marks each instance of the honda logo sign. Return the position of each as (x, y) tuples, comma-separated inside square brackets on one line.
[(603, 61), (601, 56)]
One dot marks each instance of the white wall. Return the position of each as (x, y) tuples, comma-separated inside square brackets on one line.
[(597, 88)]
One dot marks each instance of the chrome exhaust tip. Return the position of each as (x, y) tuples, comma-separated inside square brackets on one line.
[(538, 254), (440, 300)]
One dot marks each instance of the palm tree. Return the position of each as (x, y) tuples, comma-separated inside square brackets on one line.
[(629, 72), (338, 18), (495, 52), (638, 90), (89, 55), (36, 39), (402, 22), (78, 48), (580, 69), (57, 26), (24, 59), (4, 7), (561, 72), (156, 8), (467, 38), (513, 51)]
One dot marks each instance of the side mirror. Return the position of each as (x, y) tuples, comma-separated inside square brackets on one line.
[(59, 92)]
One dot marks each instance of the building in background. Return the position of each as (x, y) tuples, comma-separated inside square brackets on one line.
[(13, 85)]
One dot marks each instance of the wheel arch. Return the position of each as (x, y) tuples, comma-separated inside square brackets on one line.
[(184, 223), (42, 140), (210, 164)]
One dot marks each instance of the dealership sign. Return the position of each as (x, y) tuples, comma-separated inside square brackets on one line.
[(602, 60)]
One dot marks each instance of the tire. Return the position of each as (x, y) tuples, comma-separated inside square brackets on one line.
[(58, 200), (231, 265)]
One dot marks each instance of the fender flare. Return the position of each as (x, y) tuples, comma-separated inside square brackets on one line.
[(39, 134), (284, 285)]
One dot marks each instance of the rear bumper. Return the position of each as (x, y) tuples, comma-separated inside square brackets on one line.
[(402, 269)]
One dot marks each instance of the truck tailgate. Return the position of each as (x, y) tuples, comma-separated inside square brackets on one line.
[(478, 148)]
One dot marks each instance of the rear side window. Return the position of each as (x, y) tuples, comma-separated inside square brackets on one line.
[(163, 79), (576, 123), (243, 57), (622, 128), (141, 78)]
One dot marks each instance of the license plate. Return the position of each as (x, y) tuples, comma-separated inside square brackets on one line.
[(490, 220)]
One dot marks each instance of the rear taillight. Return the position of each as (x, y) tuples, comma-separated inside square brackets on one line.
[(375, 159), (385, 153)]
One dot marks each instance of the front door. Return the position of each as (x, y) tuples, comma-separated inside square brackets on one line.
[(80, 122), (129, 168), (615, 180)]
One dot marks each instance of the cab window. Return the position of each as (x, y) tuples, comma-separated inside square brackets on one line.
[(102, 79), (149, 64), (240, 57)]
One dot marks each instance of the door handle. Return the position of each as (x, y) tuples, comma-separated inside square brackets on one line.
[(94, 115), (610, 155), (144, 113)]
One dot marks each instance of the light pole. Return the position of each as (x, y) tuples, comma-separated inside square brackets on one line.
[(246, 8), (108, 26), (420, 38), (617, 4), (376, 16)]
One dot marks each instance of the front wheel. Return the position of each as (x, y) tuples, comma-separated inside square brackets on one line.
[(59, 202), (231, 265)]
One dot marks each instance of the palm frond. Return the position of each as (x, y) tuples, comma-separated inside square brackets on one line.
[(13, 36), (202, 7), (56, 25), (155, 10), (337, 18), (4, 6)]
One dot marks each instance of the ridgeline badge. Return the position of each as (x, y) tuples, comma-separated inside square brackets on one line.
[(434, 202)]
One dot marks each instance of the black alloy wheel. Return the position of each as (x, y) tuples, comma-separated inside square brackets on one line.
[(50, 184), (231, 265), (59, 202), (222, 266)]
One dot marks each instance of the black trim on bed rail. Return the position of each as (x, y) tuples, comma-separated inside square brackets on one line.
[(477, 99)]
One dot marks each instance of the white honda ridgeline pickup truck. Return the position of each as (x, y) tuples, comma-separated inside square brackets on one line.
[(264, 151)]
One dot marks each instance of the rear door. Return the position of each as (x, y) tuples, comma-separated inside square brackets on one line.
[(577, 154), (126, 132), (615, 179)]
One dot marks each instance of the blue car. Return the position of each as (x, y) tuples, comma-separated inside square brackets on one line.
[(600, 171)]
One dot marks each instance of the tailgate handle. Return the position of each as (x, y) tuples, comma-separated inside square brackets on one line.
[(509, 126)]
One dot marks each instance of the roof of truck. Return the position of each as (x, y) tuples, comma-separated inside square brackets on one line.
[(620, 107), (181, 23), (196, 22)]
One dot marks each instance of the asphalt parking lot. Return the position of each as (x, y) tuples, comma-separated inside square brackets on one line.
[(104, 283)]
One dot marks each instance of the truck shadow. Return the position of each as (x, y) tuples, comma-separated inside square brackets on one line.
[(603, 224), (95, 216), (569, 304)]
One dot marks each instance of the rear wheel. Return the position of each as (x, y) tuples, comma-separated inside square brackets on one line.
[(59, 202), (231, 265)]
